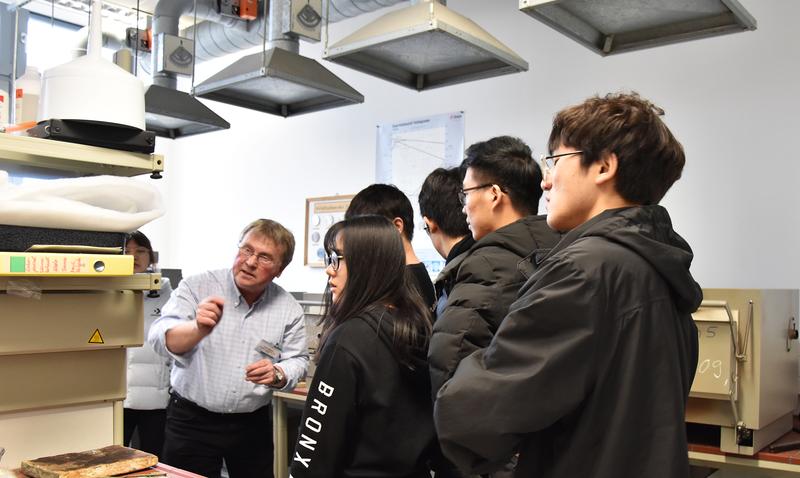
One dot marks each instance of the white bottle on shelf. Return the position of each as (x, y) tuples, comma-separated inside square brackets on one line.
[(28, 103)]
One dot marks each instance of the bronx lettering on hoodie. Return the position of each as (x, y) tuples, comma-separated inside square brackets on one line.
[(313, 424)]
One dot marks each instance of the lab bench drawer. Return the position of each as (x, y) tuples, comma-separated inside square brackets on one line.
[(70, 320), (39, 380)]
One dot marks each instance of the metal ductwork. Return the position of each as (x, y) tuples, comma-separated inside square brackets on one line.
[(425, 46), (217, 37), (169, 112), (343, 9), (608, 27), (279, 80)]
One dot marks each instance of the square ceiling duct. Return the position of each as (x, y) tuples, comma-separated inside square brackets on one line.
[(278, 82), (174, 114), (615, 26), (425, 46)]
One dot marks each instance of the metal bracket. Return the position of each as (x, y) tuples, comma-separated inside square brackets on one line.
[(791, 334), (744, 435), (742, 357), (138, 39), (242, 9)]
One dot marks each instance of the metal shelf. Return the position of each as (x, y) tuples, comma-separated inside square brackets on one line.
[(47, 157)]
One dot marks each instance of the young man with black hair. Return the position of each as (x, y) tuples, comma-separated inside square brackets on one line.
[(390, 202), (590, 371), (446, 225), (500, 196)]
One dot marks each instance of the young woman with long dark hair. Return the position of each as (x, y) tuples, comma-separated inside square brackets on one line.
[(368, 411)]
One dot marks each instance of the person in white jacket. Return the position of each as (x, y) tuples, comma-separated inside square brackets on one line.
[(148, 372)]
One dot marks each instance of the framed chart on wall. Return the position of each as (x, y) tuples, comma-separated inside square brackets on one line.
[(407, 151), (321, 214)]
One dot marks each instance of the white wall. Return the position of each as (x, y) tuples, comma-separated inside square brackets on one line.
[(733, 102)]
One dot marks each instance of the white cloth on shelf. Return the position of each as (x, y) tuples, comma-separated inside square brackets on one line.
[(97, 203)]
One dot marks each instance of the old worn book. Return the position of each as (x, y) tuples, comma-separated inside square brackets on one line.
[(107, 461)]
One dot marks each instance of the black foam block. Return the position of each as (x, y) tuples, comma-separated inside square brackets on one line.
[(20, 238)]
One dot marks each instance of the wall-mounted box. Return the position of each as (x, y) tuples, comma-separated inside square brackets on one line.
[(174, 54)]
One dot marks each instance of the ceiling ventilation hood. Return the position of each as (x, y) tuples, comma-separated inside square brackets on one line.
[(616, 26), (425, 46), (172, 114), (279, 82)]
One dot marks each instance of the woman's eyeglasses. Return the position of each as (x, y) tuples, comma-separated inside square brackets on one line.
[(332, 260)]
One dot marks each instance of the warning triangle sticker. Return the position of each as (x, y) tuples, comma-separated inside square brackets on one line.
[(96, 337)]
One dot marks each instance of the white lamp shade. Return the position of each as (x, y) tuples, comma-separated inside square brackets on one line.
[(92, 89)]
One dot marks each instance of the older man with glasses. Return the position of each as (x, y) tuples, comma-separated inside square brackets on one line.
[(235, 336)]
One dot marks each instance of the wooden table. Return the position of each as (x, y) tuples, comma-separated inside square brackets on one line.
[(762, 464), (280, 401), (171, 472)]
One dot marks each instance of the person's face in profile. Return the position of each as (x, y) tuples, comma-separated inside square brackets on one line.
[(477, 204), (336, 268), (569, 190)]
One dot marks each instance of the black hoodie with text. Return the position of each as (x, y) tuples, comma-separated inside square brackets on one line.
[(590, 371), (366, 413)]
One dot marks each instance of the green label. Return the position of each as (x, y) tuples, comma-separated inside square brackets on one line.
[(17, 264)]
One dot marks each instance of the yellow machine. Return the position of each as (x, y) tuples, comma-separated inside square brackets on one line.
[(746, 381)]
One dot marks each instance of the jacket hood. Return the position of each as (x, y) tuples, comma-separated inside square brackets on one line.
[(381, 320), (647, 230)]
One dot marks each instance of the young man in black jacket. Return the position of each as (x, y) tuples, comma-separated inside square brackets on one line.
[(389, 201), (446, 225), (500, 196), (590, 371)]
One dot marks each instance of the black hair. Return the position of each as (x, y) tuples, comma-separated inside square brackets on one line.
[(384, 200), (377, 276), (507, 162), (438, 201), (141, 240)]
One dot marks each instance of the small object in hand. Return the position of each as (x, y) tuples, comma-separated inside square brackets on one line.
[(271, 351)]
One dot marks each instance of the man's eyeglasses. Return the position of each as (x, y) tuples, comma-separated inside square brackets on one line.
[(332, 260), (462, 195), (263, 260), (549, 162)]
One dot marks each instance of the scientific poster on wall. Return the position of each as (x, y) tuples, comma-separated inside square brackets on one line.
[(407, 151), (321, 214)]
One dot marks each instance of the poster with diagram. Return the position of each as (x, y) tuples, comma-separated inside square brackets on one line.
[(321, 214), (407, 151)]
